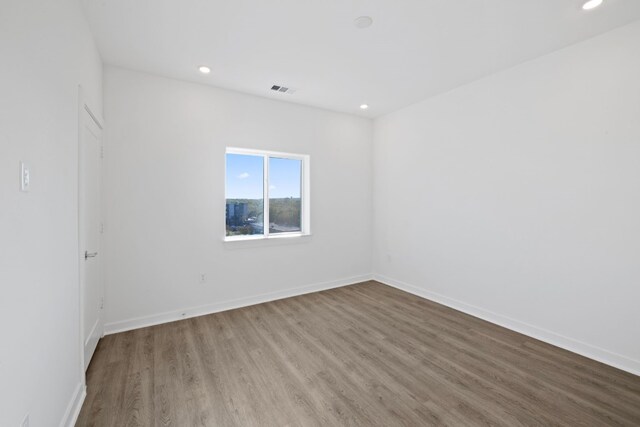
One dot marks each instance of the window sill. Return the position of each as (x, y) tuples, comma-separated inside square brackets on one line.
[(259, 241)]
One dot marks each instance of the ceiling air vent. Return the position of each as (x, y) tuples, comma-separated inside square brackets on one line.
[(282, 89)]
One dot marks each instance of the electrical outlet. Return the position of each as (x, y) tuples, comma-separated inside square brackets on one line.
[(203, 278), (25, 177), (25, 422)]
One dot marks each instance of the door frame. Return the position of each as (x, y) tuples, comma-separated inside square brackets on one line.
[(84, 106)]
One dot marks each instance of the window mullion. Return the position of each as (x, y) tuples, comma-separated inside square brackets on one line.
[(265, 204)]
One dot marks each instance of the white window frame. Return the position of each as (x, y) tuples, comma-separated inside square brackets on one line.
[(305, 194)]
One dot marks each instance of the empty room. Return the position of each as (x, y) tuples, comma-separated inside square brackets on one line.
[(319, 213)]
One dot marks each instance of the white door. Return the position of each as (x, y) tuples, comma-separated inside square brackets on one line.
[(90, 229)]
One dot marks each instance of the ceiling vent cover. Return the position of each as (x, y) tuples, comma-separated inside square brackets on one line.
[(282, 89)]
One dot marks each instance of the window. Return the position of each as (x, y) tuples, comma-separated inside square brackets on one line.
[(267, 194)]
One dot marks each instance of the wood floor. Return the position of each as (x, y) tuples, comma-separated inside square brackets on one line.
[(363, 355)]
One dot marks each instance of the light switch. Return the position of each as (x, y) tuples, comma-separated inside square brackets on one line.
[(25, 177)]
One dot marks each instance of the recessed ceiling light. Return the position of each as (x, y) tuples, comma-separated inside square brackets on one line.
[(591, 4), (363, 22), (204, 69), (364, 106)]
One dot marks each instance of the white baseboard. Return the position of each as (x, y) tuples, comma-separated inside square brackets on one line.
[(75, 405), (171, 316), (570, 344)]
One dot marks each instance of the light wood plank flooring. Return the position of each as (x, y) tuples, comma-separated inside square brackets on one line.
[(363, 355)]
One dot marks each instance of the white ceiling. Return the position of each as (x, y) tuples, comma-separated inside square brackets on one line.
[(413, 50)]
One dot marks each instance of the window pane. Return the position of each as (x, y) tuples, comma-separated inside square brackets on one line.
[(244, 194), (285, 208)]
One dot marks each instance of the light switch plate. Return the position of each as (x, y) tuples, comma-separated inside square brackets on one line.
[(25, 177)]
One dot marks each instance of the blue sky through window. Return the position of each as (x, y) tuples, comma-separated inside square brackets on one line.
[(284, 178), (245, 175)]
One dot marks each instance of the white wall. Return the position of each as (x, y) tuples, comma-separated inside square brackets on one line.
[(46, 51), (517, 197), (164, 187)]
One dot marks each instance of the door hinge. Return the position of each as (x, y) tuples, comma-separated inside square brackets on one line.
[(101, 227)]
